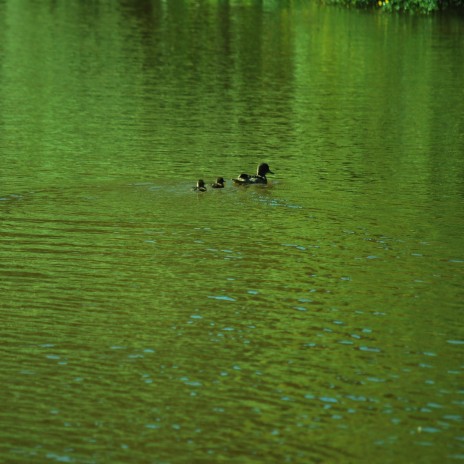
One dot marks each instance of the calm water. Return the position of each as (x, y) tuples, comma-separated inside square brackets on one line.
[(318, 319)]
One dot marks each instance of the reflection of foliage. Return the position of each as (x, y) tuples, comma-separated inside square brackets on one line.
[(413, 6)]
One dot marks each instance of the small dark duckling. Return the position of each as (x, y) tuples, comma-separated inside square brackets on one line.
[(219, 184), (260, 178), (200, 186)]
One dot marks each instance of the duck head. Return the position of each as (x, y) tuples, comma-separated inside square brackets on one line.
[(263, 169)]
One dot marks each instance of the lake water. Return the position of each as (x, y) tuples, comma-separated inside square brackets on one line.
[(318, 319)]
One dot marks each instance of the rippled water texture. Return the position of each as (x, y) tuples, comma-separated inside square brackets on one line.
[(315, 319)]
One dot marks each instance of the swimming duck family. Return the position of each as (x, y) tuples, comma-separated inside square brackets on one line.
[(259, 178), (242, 179)]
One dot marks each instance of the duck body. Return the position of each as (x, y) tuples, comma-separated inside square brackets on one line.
[(200, 186), (259, 178), (219, 184)]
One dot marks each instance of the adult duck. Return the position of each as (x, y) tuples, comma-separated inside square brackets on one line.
[(260, 178)]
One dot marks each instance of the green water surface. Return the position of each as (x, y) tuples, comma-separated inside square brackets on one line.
[(317, 319)]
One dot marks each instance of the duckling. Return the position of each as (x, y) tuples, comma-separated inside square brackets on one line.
[(200, 186), (260, 178), (219, 184)]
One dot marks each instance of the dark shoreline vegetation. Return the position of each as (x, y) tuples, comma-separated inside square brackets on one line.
[(410, 6)]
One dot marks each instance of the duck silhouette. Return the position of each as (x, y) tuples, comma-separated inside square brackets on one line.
[(259, 178), (200, 186)]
